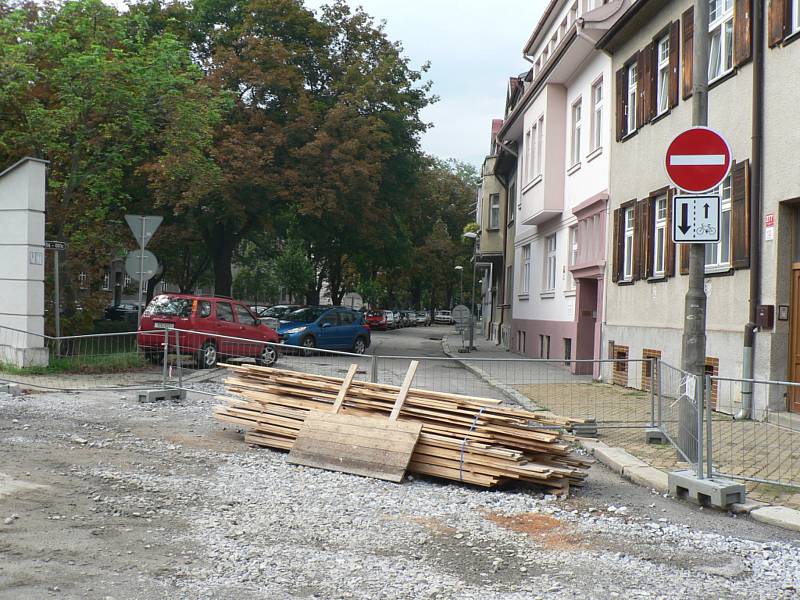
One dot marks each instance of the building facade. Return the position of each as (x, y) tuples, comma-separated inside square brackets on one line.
[(558, 133), (651, 52)]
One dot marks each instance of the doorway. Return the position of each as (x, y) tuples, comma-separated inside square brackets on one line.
[(794, 342)]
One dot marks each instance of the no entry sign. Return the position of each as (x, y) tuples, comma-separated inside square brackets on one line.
[(698, 160)]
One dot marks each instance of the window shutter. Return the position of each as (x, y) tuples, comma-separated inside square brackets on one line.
[(684, 259), (669, 259), (674, 59), (742, 31), (645, 86), (740, 215), (638, 240), (616, 248), (622, 84), (688, 48), (777, 21), (648, 222)]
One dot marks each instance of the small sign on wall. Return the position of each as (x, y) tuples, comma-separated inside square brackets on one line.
[(36, 257), (769, 227)]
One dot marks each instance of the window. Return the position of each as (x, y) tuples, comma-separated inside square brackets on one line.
[(527, 165), (627, 263), (572, 259), (662, 89), (631, 104), (660, 236), (494, 211), (224, 312), (575, 156), (550, 263), (82, 281), (204, 310), (718, 256), (509, 209), (346, 317), (544, 346), (509, 284), (597, 115), (526, 269), (244, 316), (795, 15), (539, 145), (107, 282), (720, 34)]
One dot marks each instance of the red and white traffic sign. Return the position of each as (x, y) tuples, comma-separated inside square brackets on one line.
[(698, 160)]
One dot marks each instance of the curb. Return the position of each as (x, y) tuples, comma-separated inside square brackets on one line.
[(636, 470)]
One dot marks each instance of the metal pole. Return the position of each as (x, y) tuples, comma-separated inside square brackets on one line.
[(141, 276), (57, 285), (164, 366), (180, 364), (471, 346), (699, 401), (652, 392), (709, 440), (373, 371), (660, 399), (693, 355)]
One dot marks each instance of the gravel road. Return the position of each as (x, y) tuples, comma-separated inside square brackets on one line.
[(103, 497)]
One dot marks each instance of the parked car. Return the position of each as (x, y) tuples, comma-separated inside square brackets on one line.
[(121, 312), (443, 316), (391, 323), (210, 328), (423, 318), (398, 318), (376, 319), (330, 328), (410, 318), (275, 316), (259, 309)]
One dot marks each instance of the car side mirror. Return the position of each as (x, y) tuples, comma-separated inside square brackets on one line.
[(326, 324)]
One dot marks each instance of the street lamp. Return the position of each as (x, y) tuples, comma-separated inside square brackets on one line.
[(460, 270), (471, 235)]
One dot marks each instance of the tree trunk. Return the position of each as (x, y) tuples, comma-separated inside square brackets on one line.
[(222, 245)]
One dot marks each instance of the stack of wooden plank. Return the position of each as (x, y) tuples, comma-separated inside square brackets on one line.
[(463, 438)]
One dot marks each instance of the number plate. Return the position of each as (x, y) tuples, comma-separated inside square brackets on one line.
[(159, 325)]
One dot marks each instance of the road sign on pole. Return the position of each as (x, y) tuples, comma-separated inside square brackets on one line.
[(53, 245), (698, 159), (141, 265), (695, 219), (143, 227)]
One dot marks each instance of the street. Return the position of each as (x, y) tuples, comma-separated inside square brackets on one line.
[(104, 497)]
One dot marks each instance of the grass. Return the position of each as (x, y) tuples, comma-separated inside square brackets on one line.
[(102, 363)]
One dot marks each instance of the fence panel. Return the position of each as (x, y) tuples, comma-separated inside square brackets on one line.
[(763, 450), (679, 413)]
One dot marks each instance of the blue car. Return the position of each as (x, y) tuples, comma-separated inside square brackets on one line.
[(330, 328)]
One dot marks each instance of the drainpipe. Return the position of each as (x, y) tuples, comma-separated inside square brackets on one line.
[(502, 294), (757, 144)]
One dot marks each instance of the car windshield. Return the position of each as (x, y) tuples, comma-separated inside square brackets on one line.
[(374, 314), (169, 306), (306, 315), (276, 311)]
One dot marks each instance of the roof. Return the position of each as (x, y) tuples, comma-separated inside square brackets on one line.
[(620, 31), (22, 161), (540, 29)]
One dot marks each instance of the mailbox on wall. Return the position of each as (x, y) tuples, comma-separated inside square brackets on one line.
[(765, 316)]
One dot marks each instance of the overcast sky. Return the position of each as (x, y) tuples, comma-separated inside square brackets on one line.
[(473, 47)]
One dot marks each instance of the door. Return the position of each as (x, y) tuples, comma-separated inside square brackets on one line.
[(794, 344), (227, 328), (248, 328), (328, 331), (349, 326)]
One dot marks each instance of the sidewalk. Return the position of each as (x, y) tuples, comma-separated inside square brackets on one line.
[(748, 448)]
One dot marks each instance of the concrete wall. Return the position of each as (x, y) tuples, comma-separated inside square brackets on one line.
[(22, 205)]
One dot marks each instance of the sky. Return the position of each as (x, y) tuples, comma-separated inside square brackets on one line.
[(473, 46)]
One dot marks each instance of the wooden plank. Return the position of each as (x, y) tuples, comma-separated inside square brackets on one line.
[(348, 379), (401, 397)]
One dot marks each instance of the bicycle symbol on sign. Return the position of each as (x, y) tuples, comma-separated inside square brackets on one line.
[(705, 229)]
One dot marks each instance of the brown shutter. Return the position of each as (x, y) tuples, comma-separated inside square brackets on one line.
[(669, 258), (616, 248), (740, 215), (648, 221), (645, 85), (777, 21), (674, 59), (684, 259), (687, 55), (621, 83), (742, 31)]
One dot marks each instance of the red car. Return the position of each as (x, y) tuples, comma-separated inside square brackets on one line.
[(209, 327), (377, 320)]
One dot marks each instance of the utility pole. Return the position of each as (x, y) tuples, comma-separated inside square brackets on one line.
[(693, 350)]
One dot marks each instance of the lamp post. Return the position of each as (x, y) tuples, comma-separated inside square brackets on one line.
[(471, 235), (460, 270)]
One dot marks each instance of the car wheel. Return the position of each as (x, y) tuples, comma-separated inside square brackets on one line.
[(155, 358), (268, 356), (207, 358), (309, 343), (360, 345)]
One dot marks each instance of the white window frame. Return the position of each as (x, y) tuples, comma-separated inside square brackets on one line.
[(525, 275), (597, 115), (527, 166), (539, 145), (720, 28), (660, 236), (494, 211), (716, 259), (633, 75), (662, 79), (107, 282), (551, 251), (82, 278), (127, 281), (575, 135), (572, 255), (627, 248), (795, 15)]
